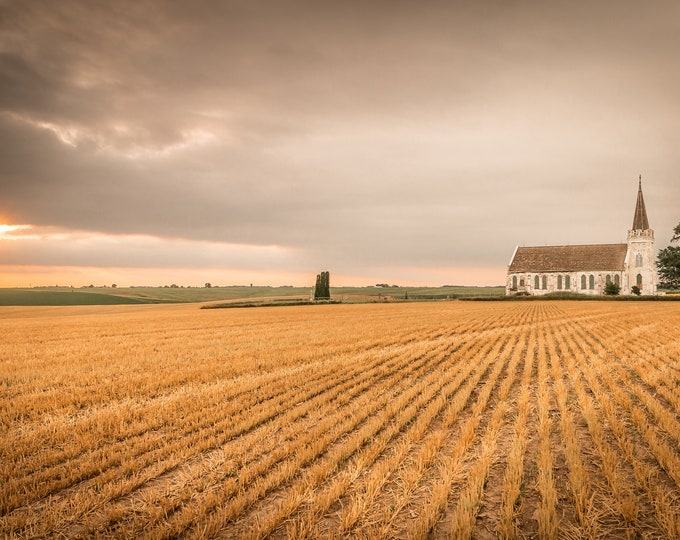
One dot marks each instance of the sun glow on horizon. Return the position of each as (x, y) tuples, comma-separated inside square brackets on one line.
[(48, 255), (4, 228)]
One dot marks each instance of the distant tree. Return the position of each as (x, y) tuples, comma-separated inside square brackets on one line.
[(612, 289), (322, 289), (668, 263), (208, 285), (635, 290), (114, 286), (676, 234)]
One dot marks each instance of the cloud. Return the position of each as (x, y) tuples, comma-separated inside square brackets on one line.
[(355, 134), (49, 246)]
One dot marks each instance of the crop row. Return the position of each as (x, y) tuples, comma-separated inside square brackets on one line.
[(416, 420)]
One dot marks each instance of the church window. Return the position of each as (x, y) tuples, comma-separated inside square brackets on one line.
[(567, 282), (591, 281), (514, 282), (521, 282), (583, 281), (638, 260), (559, 282), (617, 280), (638, 280), (545, 282), (609, 279), (536, 283)]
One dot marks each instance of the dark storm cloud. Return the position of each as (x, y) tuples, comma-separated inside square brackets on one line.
[(372, 132)]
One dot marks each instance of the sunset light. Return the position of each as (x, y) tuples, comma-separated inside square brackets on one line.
[(10, 228)]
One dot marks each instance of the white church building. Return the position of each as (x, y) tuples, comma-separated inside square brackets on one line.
[(587, 269)]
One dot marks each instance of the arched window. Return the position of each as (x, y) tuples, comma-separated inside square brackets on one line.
[(638, 280), (609, 279), (545, 282), (583, 281), (617, 280), (536, 283), (514, 282), (591, 281), (559, 282), (567, 282), (521, 282), (638, 260)]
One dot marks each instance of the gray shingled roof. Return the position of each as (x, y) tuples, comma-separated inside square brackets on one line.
[(569, 258)]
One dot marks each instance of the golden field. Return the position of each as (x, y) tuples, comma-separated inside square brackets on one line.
[(444, 420)]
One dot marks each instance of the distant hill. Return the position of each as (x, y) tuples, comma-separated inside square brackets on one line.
[(66, 296), (61, 297)]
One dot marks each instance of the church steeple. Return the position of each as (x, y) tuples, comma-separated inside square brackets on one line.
[(640, 221), (639, 269)]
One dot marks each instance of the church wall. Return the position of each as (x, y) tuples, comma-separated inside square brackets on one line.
[(552, 282)]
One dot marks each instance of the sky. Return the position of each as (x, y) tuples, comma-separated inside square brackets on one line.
[(407, 142)]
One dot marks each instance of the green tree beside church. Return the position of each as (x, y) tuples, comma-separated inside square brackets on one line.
[(668, 263)]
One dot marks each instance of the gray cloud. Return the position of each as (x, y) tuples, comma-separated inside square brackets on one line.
[(379, 133)]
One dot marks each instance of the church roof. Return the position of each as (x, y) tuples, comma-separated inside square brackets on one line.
[(640, 219), (586, 258)]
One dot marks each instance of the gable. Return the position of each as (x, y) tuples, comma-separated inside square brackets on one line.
[(569, 258)]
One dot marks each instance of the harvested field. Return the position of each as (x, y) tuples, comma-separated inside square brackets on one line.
[(444, 420)]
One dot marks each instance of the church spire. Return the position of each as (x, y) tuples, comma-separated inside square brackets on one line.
[(640, 219)]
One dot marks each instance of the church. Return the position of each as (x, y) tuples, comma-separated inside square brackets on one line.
[(587, 269)]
